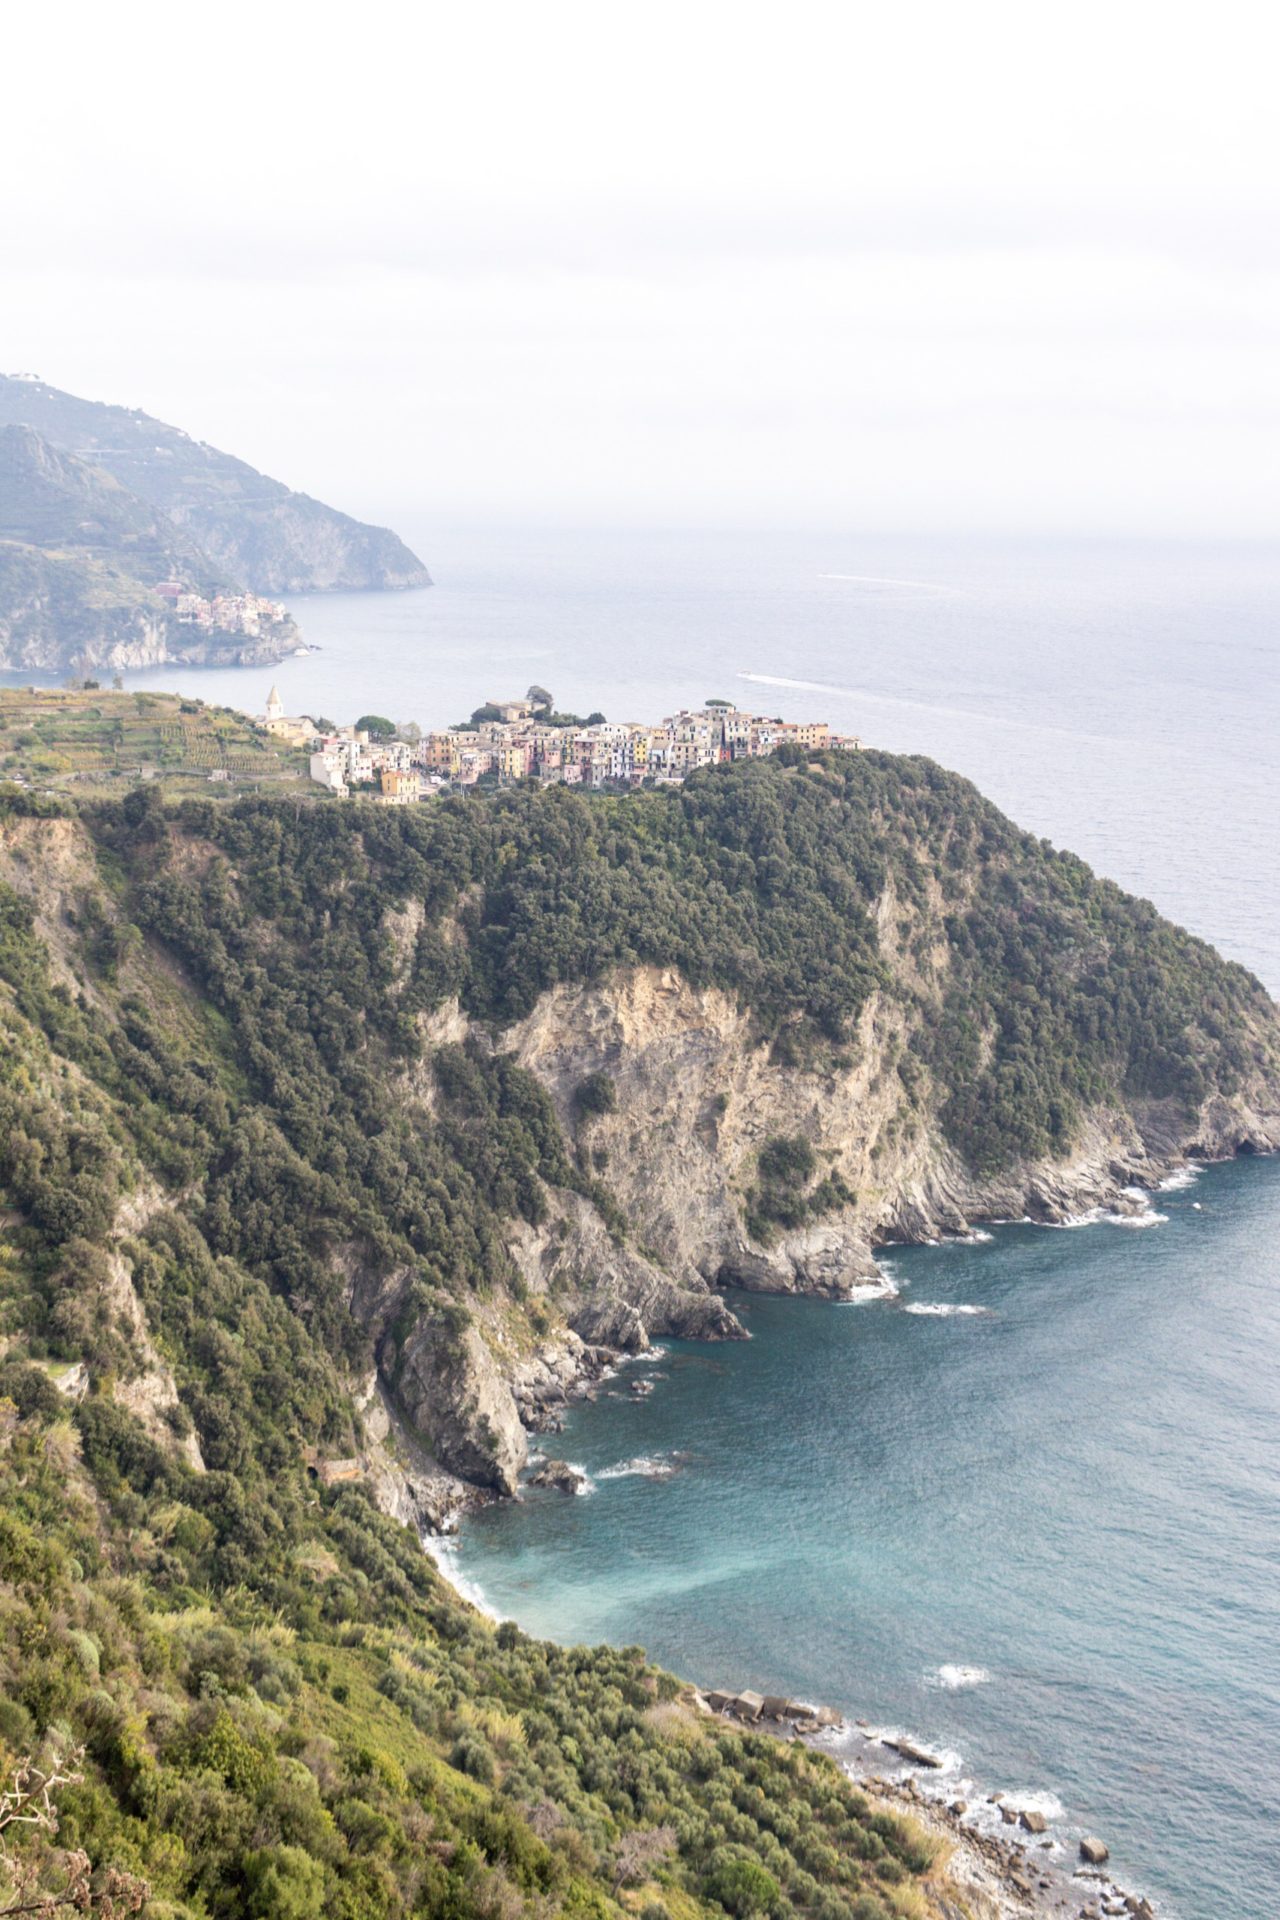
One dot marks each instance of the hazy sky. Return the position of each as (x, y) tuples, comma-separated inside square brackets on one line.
[(895, 266)]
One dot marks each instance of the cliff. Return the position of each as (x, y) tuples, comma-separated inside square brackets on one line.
[(505, 1174), (253, 528)]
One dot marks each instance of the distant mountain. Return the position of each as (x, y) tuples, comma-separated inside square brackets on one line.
[(81, 558), (255, 529), (52, 499)]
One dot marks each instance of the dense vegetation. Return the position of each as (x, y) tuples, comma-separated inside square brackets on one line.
[(204, 1017), (1047, 990)]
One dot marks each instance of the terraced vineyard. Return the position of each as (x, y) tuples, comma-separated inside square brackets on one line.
[(95, 741)]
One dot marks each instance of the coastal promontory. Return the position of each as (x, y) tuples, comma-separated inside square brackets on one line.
[(342, 1142)]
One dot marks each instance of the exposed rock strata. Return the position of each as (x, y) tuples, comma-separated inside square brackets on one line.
[(698, 1095)]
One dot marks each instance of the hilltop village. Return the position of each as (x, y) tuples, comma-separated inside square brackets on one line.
[(508, 741)]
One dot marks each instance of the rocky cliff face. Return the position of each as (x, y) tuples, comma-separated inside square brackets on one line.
[(697, 1098)]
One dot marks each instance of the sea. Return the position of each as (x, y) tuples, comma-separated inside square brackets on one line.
[(1026, 1509)]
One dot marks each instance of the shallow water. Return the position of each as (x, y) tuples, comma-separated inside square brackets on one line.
[(1043, 1537)]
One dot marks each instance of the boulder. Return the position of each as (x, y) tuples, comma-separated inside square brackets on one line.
[(918, 1756), (1009, 1816), (958, 1807), (748, 1705), (718, 1701), (777, 1707), (561, 1475), (1094, 1851), (1033, 1822)]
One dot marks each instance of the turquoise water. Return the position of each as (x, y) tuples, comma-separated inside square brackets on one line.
[(1072, 1493)]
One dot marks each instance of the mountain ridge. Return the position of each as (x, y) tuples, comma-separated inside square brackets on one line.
[(260, 531)]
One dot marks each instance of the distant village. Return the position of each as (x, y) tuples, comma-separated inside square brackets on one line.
[(246, 613), (510, 740)]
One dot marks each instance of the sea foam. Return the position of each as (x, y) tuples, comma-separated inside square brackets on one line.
[(1104, 1217), (444, 1552), (953, 1678), (1181, 1177)]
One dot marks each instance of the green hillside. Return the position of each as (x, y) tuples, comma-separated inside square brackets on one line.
[(213, 1057)]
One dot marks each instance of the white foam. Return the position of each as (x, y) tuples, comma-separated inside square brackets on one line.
[(883, 1289), (1104, 1217), (1036, 1802), (882, 580), (976, 1237), (939, 1309), (645, 1466), (953, 1678), (1181, 1177), (444, 1552), (884, 1286)]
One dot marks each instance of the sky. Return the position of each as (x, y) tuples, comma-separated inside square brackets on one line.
[(904, 268)]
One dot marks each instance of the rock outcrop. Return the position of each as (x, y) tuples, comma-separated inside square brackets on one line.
[(698, 1095)]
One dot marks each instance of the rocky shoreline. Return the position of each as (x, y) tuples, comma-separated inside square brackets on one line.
[(1003, 1854), (452, 1432), (1027, 1870)]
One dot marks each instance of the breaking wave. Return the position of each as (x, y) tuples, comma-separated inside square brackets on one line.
[(443, 1550), (1180, 1178)]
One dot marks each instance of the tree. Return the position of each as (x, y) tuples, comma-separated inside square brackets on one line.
[(485, 713), (595, 1095), (742, 1888), (540, 700), (639, 1851), (376, 725), (411, 732), (284, 1884)]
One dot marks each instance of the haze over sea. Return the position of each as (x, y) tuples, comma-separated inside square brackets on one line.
[(1044, 1535)]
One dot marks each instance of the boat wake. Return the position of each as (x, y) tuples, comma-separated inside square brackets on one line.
[(645, 1466), (941, 1309)]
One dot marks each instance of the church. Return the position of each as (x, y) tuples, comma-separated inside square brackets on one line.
[(295, 731)]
